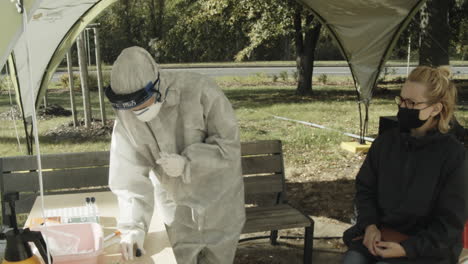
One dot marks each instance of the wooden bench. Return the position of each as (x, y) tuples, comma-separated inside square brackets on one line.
[(263, 169)]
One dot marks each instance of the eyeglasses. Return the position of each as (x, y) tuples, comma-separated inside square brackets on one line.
[(408, 102)]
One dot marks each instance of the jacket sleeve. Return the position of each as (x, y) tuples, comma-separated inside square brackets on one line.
[(366, 189), (449, 215), (215, 162), (129, 181)]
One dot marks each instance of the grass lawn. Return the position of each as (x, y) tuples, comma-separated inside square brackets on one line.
[(317, 169), (255, 102)]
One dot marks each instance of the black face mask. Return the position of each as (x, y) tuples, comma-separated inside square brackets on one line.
[(409, 118)]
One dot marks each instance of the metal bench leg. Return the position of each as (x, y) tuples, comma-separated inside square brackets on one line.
[(308, 244), (274, 237)]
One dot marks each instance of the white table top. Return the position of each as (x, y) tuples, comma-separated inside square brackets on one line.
[(157, 246)]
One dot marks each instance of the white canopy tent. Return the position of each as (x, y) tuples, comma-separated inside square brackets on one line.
[(11, 24), (51, 31), (365, 30)]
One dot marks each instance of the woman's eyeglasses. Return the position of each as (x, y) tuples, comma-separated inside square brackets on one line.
[(410, 104)]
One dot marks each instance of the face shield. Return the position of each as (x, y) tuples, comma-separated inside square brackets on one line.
[(135, 99)]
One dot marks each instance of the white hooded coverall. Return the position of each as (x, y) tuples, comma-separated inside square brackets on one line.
[(204, 218)]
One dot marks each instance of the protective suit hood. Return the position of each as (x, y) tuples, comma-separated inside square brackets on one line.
[(133, 70)]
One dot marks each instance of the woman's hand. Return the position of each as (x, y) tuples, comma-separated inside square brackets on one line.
[(371, 237), (390, 250)]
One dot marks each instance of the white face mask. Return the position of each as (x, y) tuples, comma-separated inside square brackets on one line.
[(148, 113)]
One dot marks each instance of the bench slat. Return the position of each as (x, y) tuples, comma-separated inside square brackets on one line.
[(262, 164), (56, 179), (263, 184), (25, 203), (261, 147), (101, 158), (278, 217), (57, 161), (83, 159)]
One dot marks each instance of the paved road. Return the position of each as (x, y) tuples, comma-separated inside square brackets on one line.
[(245, 71)]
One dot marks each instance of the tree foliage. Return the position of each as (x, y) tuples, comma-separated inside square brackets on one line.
[(458, 20), (226, 30), (128, 23), (201, 34)]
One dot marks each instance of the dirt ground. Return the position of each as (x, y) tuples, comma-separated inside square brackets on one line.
[(284, 253), (67, 131), (327, 247), (328, 195)]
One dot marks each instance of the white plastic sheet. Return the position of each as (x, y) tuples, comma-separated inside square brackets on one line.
[(11, 25)]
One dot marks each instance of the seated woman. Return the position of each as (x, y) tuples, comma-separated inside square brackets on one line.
[(411, 190)]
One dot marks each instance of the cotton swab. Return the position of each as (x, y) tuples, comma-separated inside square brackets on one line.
[(115, 233)]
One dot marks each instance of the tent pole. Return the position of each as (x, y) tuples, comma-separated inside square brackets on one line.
[(14, 80), (31, 137), (361, 126), (34, 124), (99, 75)]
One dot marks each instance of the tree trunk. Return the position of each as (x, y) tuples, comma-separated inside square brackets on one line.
[(88, 46), (157, 18), (286, 47), (152, 16), (161, 5), (127, 23), (434, 43), (80, 42), (305, 49), (99, 75), (70, 86)]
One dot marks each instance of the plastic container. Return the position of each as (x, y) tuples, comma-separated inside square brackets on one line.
[(83, 242)]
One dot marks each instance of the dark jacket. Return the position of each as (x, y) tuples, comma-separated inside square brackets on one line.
[(417, 186)]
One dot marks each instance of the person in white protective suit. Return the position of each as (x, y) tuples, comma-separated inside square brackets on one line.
[(175, 135)]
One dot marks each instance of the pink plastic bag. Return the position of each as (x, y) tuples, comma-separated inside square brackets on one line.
[(80, 243)]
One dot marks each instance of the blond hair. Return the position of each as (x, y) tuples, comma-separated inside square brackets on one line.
[(441, 89)]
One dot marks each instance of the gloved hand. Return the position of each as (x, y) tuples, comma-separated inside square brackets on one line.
[(131, 243), (172, 164)]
